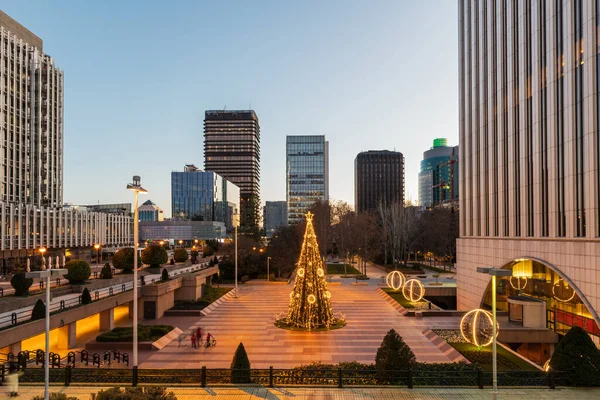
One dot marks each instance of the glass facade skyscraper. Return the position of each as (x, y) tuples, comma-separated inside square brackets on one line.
[(203, 196), (438, 178), (307, 178)]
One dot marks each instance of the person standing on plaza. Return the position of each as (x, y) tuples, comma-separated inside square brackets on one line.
[(180, 339), (199, 335), (194, 340)]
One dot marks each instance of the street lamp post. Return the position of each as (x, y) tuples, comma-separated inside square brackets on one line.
[(494, 272), (137, 189), (268, 258), (181, 243), (46, 274), (236, 222), (97, 247)]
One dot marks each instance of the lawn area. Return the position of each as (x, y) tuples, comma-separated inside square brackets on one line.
[(434, 269), (506, 361), (211, 294), (338, 269), (146, 333), (399, 298)]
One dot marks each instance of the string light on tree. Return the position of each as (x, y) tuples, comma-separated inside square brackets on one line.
[(310, 306)]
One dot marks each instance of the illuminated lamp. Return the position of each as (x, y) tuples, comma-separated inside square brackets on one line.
[(561, 287), (395, 280), (477, 326), (300, 272), (523, 268), (413, 290), (311, 298)]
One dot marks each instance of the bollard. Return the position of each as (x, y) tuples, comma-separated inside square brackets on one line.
[(13, 318), (55, 360), (203, 377), (71, 358), (410, 380), (41, 284), (125, 357), (2, 373), (96, 359), (110, 291), (122, 287), (117, 355), (96, 295), (1, 292), (85, 357), (57, 281), (62, 304), (271, 376)]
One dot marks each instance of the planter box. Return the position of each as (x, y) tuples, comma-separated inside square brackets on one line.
[(149, 346)]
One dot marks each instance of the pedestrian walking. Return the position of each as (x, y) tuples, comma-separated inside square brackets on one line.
[(180, 338), (199, 335), (194, 340), (13, 379)]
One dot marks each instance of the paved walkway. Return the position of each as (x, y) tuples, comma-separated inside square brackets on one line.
[(252, 393), (250, 319)]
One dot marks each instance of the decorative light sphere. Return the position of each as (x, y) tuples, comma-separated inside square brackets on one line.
[(562, 292), (300, 272), (311, 298), (518, 282), (413, 290), (546, 366), (328, 294), (395, 280), (477, 327), (320, 272)]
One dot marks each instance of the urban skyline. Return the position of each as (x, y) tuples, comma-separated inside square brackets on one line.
[(381, 118)]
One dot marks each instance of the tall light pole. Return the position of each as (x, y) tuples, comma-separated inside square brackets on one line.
[(46, 274), (137, 188), (494, 272), (236, 222), (268, 258), (97, 247)]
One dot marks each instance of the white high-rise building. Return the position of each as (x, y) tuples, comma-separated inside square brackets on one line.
[(529, 157)]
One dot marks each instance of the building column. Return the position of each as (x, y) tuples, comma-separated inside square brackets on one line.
[(107, 320), (67, 336)]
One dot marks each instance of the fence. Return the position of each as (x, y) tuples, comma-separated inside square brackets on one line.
[(472, 377)]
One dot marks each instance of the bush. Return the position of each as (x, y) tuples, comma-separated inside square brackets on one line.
[(180, 255), (135, 393), (78, 271), (578, 357), (194, 256), (86, 298), (57, 396), (123, 259), (146, 333), (240, 366), (106, 272), (208, 251), (39, 310), (21, 284), (245, 279), (154, 255), (165, 275), (394, 354)]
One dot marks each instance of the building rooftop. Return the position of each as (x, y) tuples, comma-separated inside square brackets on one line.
[(20, 31), (230, 115)]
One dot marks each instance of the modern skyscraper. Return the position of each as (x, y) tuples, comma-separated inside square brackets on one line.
[(232, 150), (440, 161), (307, 178), (529, 159), (150, 212), (31, 159), (378, 177), (203, 196), (275, 215)]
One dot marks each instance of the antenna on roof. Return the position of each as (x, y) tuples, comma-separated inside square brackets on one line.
[(250, 105), (224, 107)]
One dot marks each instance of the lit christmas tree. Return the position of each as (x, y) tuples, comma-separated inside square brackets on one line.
[(310, 307)]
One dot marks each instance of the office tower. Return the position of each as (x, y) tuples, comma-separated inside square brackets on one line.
[(440, 160), (307, 177), (275, 216), (378, 177), (529, 165), (31, 160), (150, 212), (203, 196), (232, 150)]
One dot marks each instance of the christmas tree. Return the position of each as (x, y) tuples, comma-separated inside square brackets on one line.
[(310, 307)]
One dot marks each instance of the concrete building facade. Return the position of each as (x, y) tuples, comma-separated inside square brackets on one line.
[(529, 141), (149, 211)]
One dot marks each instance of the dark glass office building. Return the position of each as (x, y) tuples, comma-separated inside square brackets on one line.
[(232, 150), (378, 177), (307, 177), (275, 215), (203, 196)]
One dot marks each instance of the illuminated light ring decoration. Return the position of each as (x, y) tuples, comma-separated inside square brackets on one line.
[(477, 327), (320, 272), (328, 294), (300, 272), (547, 366), (519, 280), (311, 298), (391, 279), (559, 299), (413, 290)]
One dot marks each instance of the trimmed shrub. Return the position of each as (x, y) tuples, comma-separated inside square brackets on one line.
[(215, 260), (154, 255), (578, 357), (208, 251), (146, 333), (135, 393), (78, 271), (39, 310), (57, 396), (240, 366), (172, 262), (165, 275), (86, 298), (123, 260), (106, 272), (394, 354), (21, 284), (194, 253), (180, 255)]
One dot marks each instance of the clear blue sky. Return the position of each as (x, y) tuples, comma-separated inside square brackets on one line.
[(369, 75)]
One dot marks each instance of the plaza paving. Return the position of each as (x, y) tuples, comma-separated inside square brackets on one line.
[(250, 317), (252, 393)]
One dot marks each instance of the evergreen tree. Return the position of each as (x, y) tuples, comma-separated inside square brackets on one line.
[(86, 298), (393, 354), (577, 356), (39, 310), (240, 366), (310, 306), (165, 275)]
